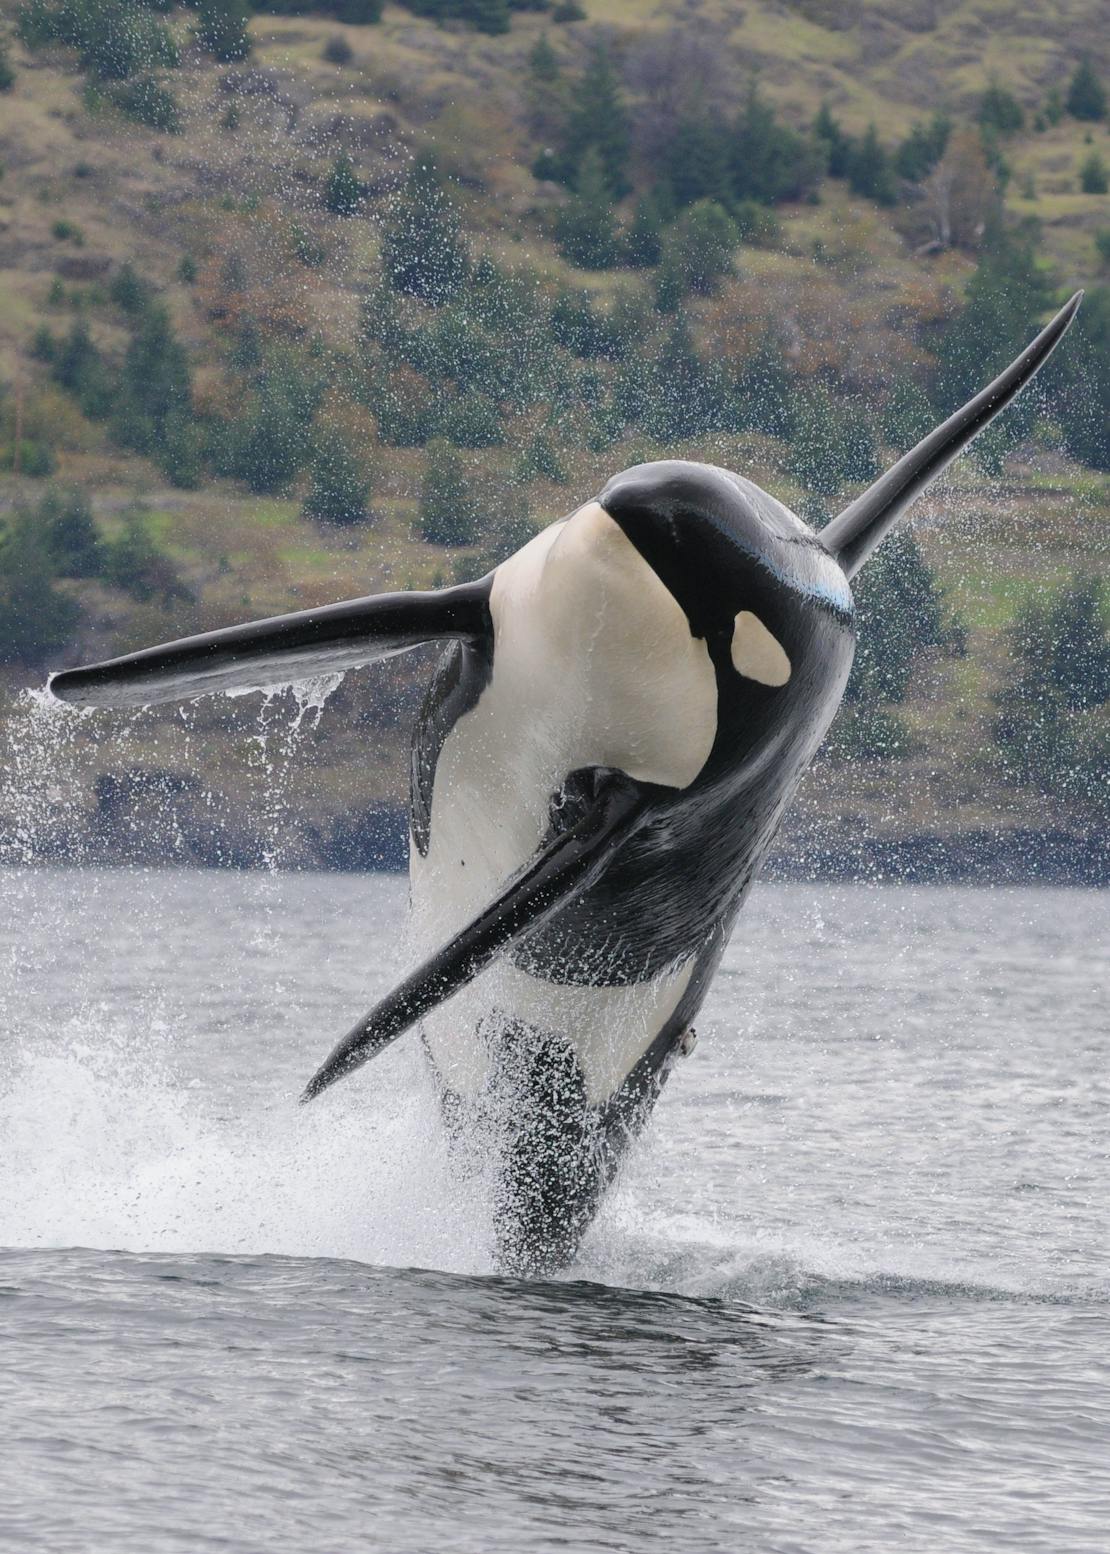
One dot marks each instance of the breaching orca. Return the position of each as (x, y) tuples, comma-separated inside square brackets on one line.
[(622, 713)]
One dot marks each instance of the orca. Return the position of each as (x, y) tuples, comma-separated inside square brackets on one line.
[(620, 716)]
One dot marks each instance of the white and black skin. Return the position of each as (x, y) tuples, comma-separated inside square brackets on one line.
[(622, 713)]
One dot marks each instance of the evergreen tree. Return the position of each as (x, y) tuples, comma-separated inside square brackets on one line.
[(1000, 111), (900, 618), (1053, 728), (597, 119), (906, 416), (472, 421), (831, 444), (764, 391), (1080, 382), (687, 396), (490, 16), (155, 382), (900, 621), (340, 488), (1093, 175), (923, 148), (7, 74), (134, 562), (35, 619), (1086, 97), (423, 252), (1007, 290), (357, 13), (343, 193), (643, 245), (65, 519), (543, 62), (584, 230), (869, 169), (696, 162), (447, 509), (540, 461), (77, 365), (697, 254), (769, 162), (828, 133), (222, 28)]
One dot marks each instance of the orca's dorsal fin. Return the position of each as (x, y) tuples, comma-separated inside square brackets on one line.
[(855, 533)]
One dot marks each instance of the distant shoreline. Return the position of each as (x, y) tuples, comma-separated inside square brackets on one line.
[(377, 843)]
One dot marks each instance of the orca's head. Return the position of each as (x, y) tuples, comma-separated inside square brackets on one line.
[(771, 603), (769, 595)]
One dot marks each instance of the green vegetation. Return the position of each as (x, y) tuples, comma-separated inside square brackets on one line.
[(343, 194), (357, 333), (1094, 176), (1053, 724), (448, 512), (222, 28), (1086, 97)]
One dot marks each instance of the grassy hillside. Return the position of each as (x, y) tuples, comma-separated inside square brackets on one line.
[(227, 221)]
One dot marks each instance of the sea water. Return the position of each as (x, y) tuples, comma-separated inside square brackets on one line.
[(851, 1293)]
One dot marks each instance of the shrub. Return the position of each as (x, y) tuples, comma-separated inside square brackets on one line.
[(68, 232), (1094, 177), (540, 461), (146, 102), (7, 74), (134, 562), (448, 513), (32, 457), (187, 270), (343, 193), (114, 39), (337, 51), (340, 488)]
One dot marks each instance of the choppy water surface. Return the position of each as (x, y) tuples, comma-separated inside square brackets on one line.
[(852, 1293)]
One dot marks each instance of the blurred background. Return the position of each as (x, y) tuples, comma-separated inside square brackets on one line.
[(313, 300)]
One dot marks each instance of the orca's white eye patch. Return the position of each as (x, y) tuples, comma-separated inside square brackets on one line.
[(756, 654)]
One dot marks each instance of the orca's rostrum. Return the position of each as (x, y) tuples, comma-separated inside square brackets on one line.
[(621, 715)]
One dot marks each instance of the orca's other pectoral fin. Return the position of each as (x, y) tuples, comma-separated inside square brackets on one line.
[(282, 649), (565, 865)]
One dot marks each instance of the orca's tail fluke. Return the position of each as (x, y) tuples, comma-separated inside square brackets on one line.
[(285, 648), (854, 534)]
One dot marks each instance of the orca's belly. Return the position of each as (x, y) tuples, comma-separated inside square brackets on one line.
[(592, 664)]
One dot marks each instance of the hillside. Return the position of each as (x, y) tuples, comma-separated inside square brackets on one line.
[(226, 224)]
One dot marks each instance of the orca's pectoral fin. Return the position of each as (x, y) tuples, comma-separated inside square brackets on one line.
[(282, 649), (566, 864)]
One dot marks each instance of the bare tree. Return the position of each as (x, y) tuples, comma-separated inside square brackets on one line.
[(678, 73), (958, 197)]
